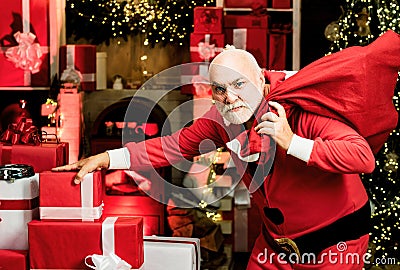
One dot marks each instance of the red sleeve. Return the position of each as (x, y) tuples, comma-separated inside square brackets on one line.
[(201, 137), (337, 147)]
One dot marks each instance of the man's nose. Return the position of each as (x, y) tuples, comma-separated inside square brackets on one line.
[(231, 97)]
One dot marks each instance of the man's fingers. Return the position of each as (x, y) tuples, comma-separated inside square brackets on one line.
[(279, 108), (68, 167), (269, 116)]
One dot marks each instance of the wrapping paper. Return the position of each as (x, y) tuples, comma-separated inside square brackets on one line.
[(277, 51), (14, 259), (253, 4), (60, 198), (81, 58), (42, 157), (248, 32), (208, 20), (171, 253), (65, 245), (149, 209), (24, 41), (204, 47), (280, 4), (19, 203)]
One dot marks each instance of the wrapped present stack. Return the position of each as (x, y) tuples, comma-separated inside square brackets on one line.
[(248, 31), (206, 41), (19, 204), (73, 233)]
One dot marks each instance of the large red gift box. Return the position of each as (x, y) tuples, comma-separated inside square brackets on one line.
[(248, 32), (19, 202), (41, 157), (24, 42), (208, 20), (253, 4), (204, 47), (61, 198), (81, 58), (65, 245), (14, 259), (285, 4), (277, 50)]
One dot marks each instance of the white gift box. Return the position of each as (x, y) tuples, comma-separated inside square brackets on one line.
[(18, 206), (171, 253)]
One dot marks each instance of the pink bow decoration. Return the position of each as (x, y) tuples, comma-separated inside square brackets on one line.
[(27, 54), (110, 262), (202, 86), (206, 50), (22, 132)]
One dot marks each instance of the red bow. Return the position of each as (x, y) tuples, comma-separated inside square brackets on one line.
[(22, 132)]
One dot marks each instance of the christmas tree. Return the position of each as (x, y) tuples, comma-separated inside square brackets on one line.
[(361, 22)]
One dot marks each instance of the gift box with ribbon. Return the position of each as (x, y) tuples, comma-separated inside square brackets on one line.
[(171, 253), (24, 42), (79, 60), (113, 243), (19, 202), (22, 132), (42, 157), (62, 199), (14, 259), (208, 20), (204, 47), (253, 4), (248, 32)]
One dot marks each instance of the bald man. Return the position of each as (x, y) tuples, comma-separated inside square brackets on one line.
[(313, 205)]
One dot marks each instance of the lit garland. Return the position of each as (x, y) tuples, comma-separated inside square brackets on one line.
[(383, 184), (165, 21)]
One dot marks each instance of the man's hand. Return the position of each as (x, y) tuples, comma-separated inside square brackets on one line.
[(87, 165), (276, 126)]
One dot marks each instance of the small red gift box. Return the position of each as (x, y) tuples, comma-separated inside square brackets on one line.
[(204, 47), (61, 198), (277, 50), (81, 58), (19, 202), (66, 245), (254, 4), (24, 41), (285, 4), (248, 32), (14, 259), (41, 157), (208, 20), (194, 78)]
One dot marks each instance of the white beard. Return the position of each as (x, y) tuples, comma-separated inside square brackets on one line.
[(237, 118)]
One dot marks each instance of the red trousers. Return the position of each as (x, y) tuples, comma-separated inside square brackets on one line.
[(348, 255)]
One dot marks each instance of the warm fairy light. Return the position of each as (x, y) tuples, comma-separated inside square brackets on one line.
[(383, 184), (161, 21)]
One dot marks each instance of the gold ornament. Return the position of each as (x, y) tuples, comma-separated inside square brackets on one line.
[(332, 31), (362, 20)]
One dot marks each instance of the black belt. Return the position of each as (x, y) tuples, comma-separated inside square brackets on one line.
[(349, 227)]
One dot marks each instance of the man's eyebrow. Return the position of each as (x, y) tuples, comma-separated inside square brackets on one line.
[(238, 79), (218, 84)]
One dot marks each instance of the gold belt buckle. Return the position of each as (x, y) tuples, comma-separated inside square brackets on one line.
[(288, 245)]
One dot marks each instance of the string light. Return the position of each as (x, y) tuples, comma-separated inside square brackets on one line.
[(161, 21), (361, 22)]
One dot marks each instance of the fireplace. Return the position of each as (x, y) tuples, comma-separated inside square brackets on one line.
[(105, 122)]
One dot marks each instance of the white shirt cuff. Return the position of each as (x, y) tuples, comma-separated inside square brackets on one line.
[(119, 159), (300, 147)]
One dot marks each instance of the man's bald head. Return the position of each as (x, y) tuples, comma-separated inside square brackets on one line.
[(236, 59)]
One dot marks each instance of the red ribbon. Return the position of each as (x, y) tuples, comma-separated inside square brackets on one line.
[(22, 132)]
